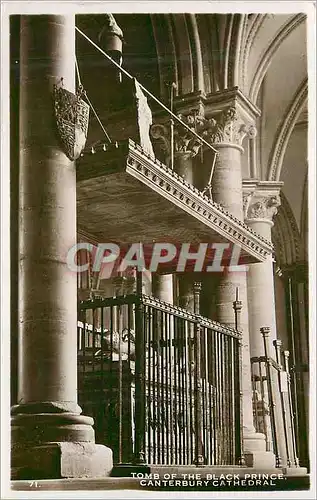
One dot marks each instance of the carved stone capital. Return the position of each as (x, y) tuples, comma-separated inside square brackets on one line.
[(261, 199), (227, 127), (263, 206), (184, 141)]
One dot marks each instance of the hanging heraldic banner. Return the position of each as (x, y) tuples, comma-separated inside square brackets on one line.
[(156, 323)]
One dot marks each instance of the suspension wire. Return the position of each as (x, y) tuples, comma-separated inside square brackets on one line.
[(125, 72), (77, 72), (84, 93), (97, 117)]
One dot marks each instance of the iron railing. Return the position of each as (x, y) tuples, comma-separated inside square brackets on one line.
[(162, 383), (272, 402)]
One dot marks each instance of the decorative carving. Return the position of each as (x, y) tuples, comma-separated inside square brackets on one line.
[(184, 141), (226, 127), (72, 119), (264, 207)]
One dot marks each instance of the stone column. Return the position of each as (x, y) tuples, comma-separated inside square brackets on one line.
[(225, 131), (262, 205), (259, 213), (50, 439), (162, 287), (186, 147)]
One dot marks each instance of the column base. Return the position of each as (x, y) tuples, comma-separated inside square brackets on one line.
[(61, 460), (55, 445), (255, 453), (294, 471)]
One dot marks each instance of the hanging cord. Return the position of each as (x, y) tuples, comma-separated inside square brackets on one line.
[(84, 93)]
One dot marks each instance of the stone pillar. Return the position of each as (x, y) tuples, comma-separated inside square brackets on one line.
[(50, 439), (162, 287), (259, 213), (185, 149), (262, 205), (225, 131), (186, 145)]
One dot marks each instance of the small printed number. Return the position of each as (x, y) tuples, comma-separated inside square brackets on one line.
[(33, 484)]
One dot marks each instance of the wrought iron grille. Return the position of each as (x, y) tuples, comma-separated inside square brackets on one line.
[(273, 402), (162, 384)]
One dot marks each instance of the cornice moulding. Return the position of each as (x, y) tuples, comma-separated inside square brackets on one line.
[(210, 104), (235, 98), (173, 187), (259, 185)]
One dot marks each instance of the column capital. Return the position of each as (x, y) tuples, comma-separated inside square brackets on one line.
[(261, 200), (225, 117), (184, 142), (197, 286), (263, 207), (232, 117), (227, 126)]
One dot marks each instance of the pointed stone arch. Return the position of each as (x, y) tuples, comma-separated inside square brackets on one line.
[(285, 235), (271, 50), (235, 43), (255, 23), (285, 130)]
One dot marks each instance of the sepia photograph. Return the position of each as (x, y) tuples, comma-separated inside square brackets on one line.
[(158, 208)]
